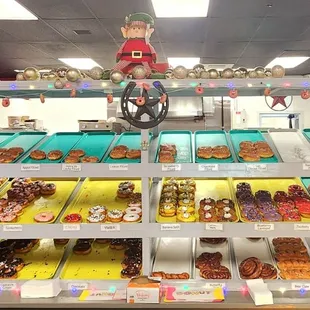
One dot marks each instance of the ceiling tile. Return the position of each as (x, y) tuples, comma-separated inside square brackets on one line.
[(60, 50), (253, 62), (19, 50), (289, 8), (182, 49), (217, 50), (268, 49), (5, 37), (215, 60), (99, 49)]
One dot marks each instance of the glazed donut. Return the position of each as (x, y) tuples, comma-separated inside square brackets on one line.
[(3, 150), (72, 159), (37, 155), (166, 157), (133, 154), (134, 210), (90, 159), (44, 217), (48, 189), (54, 155), (246, 144), (6, 158), (16, 150), (134, 203), (265, 152), (119, 152), (131, 217), (73, 218), (250, 157), (168, 147), (76, 153), (204, 152)]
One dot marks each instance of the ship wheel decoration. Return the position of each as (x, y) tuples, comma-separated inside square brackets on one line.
[(279, 103), (145, 105)]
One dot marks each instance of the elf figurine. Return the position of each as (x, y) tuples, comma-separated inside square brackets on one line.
[(137, 49)]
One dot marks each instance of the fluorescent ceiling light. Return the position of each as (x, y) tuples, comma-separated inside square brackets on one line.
[(41, 71), (181, 8), (187, 62), (287, 62), (12, 10), (80, 63)]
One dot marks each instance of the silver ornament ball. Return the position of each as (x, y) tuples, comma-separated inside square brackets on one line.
[(191, 74), (73, 75), (228, 73), (237, 74), (198, 69), (58, 84), (204, 75), (277, 71), (139, 72), (213, 73), (260, 71), (180, 72), (95, 73), (169, 74), (20, 76), (252, 74), (268, 73), (117, 76)]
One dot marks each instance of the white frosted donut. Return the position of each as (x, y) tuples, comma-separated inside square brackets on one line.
[(133, 210), (97, 209), (131, 217), (96, 218)]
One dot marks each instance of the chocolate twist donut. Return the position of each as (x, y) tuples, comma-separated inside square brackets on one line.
[(250, 268), (268, 272)]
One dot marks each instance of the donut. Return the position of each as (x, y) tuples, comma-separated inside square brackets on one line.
[(8, 273), (90, 159), (61, 241), (23, 246), (6, 158), (17, 263), (54, 155), (8, 217), (96, 218), (44, 217), (131, 217), (48, 189), (204, 152), (219, 273), (117, 244), (119, 152), (102, 241), (134, 203), (76, 153), (130, 273), (82, 248), (127, 184), (134, 210), (253, 157), (72, 159), (97, 209), (168, 147), (37, 155), (133, 154), (16, 150), (3, 202), (3, 150), (115, 216), (265, 152), (246, 144), (73, 218), (132, 261), (250, 268), (166, 157)]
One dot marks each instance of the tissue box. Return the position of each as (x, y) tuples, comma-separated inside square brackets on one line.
[(143, 290), (40, 289), (259, 292)]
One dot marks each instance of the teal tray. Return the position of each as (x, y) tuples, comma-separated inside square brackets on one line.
[(63, 141), (211, 138), (133, 141), (306, 133), (95, 143), (5, 135), (26, 140), (237, 136), (183, 141), (306, 183)]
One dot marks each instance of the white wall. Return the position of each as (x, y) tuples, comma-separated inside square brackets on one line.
[(57, 114)]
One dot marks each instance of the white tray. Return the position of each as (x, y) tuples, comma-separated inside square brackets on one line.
[(292, 146), (174, 255), (244, 248), (223, 248)]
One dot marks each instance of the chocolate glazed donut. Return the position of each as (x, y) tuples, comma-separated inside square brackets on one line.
[(216, 274), (250, 268)]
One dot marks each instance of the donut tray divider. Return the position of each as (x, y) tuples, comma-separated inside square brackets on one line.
[(224, 248), (183, 141), (259, 248), (211, 138), (272, 185), (26, 140), (133, 141), (99, 191), (54, 203), (239, 135), (5, 135)]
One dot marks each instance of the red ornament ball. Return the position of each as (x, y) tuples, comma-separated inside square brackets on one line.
[(5, 102), (267, 91), (140, 101), (305, 94), (233, 93), (199, 90)]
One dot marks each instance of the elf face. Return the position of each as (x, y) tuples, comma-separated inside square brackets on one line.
[(135, 31)]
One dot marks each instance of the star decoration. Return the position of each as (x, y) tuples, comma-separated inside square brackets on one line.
[(147, 108), (278, 100)]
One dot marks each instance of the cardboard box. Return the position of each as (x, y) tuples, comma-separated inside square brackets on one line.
[(143, 290)]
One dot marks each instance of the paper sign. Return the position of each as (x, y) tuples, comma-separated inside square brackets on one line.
[(170, 227), (305, 166), (213, 285), (71, 167), (30, 167), (256, 167), (78, 286), (298, 286), (118, 167), (71, 227), (171, 167), (12, 228), (214, 226), (8, 286), (302, 227), (110, 227), (264, 227), (97, 295), (208, 167)]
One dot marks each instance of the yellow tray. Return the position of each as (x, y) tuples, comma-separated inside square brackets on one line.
[(102, 263), (42, 261), (96, 191), (54, 203), (214, 188), (271, 185)]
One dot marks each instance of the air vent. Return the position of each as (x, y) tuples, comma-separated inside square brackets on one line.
[(81, 32)]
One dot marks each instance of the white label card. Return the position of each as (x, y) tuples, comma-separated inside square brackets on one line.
[(298, 286), (256, 167), (110, 227), (71, 227), (71, 167), (8, 286), (208, 167), (264, 227), (170, 227), (118, 167), (171, 167), (30, 167), (12, 228), (78, 286), (302, 227), (214, 226), (211, 285), (305, 166)]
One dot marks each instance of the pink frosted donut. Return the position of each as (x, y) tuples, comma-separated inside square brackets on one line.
[(8, 217), (44, 217)]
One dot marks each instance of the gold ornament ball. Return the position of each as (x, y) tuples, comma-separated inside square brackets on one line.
[(204, 75), (277, 71), (260, 71), (244, 72), (44, 76), (180, 72), (73, 75), (214, 74), (139, 72), (61, 72), (20, 76), (52, 76), (31, 74), (237, 74), (198, 69), (252, 74), (117, 76), (169, 74), (95, 73), (228, 73), (59, 84), (191, 74), (268, 73)]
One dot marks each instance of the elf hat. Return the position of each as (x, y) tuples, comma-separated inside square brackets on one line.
[(139, 19)]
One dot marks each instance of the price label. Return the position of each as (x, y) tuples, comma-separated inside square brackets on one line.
[(8, 286), (97, 295), (305, 166), (110, 227), (71, 167), (302, 227), (264, 227), (170, 227), (298, 286), (30, 167), (211, 285), (171, 167), (214, 226), (71, 227), (256, 167), (208, 167), (12, 228), (78, 286), (118, 167)]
